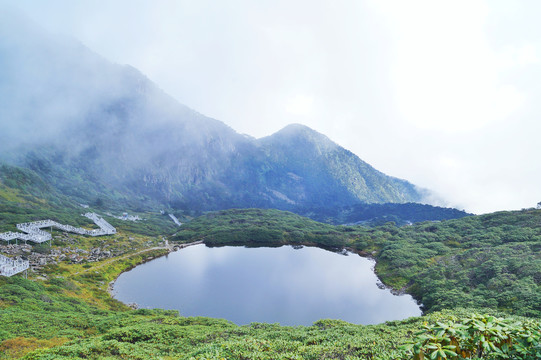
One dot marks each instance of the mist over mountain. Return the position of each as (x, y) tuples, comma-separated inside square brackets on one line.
[(103, 133)]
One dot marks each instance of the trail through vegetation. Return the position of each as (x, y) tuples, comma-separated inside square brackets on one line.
[(486, 265)]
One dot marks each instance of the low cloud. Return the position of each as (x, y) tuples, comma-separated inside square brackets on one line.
[(402, 86)]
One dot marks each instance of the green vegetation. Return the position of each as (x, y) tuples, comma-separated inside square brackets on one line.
[(25, 197), (154, 224), (26, 188), (379, 214), (489, 261), (483, 264), (478, 336), (255, 227), (55, 320)]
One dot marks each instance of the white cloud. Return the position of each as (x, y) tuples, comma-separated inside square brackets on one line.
[(301, 105), (445, 73), (442, 93)]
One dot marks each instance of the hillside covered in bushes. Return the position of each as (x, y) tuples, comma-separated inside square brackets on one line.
[(457, 269)]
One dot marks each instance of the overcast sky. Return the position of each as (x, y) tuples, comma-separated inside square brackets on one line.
[(444, 94)]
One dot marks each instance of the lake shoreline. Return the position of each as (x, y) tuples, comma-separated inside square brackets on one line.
[(169, 248), (173, 248), (148, 285)]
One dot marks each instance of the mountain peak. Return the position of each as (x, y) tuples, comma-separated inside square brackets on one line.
[(308, 154), (299, 135), (299, 129), (104, 132)]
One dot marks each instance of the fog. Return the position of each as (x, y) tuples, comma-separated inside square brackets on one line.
[(441, 94), (58, 95)]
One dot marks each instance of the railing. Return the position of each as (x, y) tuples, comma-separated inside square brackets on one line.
[(105, 227), (10, 267), (35, 234)]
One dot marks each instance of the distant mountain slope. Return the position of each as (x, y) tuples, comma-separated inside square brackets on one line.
[(379, 214), (104, 134), (25, 197), (313, 165)]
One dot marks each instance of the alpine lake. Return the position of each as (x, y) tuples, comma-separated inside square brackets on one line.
[(285, 285)]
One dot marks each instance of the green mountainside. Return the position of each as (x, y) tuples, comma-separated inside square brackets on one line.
[(379, 214), (458, 268), (313, 164), (104, 134), (24, 196)]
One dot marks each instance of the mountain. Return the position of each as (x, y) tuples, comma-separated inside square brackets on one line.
[(104, 134), (315, 164)]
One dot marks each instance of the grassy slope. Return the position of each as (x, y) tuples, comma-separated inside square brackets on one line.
[(24, 197), (53, 318), (70, 314)]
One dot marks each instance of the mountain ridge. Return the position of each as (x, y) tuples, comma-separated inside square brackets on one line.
[(104, 133)]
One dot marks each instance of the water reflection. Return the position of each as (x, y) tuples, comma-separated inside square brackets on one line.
[(273, 285)]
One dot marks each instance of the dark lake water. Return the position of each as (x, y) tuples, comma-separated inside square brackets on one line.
[(273, 285)]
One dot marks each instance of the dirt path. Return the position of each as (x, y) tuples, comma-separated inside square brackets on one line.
[(111, 260)]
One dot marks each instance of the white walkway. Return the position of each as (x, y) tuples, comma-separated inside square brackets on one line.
[(35, 234), (9, 267), (174, 218)]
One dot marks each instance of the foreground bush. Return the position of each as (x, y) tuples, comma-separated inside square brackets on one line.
[(477, 337)]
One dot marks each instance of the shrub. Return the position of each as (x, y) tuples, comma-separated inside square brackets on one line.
[(477, 337)]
